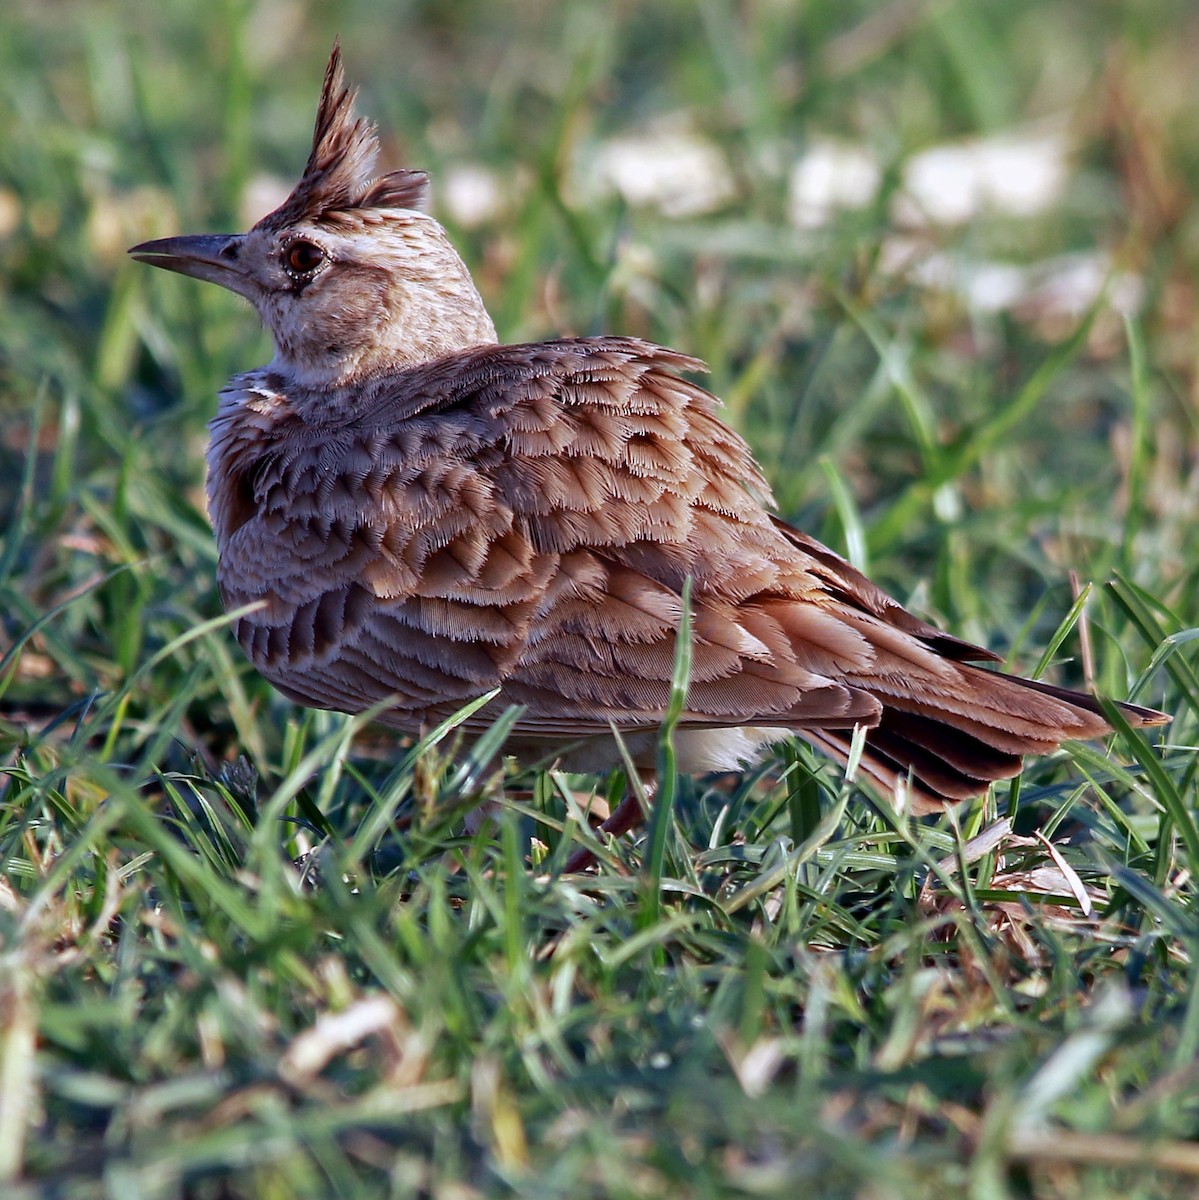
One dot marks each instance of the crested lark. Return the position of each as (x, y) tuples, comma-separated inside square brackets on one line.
[(424, 514)]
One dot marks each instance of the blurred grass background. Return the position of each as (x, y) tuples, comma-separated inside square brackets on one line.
[(941, 258)]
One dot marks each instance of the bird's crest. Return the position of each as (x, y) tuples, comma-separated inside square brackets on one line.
[(340, 175)]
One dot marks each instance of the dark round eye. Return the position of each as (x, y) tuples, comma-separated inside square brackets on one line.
[(302, 258)]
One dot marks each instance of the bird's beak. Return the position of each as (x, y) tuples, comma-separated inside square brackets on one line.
[(214, 257)]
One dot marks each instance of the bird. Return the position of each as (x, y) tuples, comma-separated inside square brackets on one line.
[(411, 515)]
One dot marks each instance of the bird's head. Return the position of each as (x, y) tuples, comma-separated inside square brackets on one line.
[(349, 275)]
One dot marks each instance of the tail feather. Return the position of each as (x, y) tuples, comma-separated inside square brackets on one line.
[(948, 728), (1010, 714), (956, 754), (937, 755)]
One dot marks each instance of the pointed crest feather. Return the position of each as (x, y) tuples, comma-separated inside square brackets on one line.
[(339, 174)]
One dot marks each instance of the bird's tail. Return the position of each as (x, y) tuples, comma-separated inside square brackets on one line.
[(938, 754)]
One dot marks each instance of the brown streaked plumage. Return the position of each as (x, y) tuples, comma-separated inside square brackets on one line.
[(424, 515)]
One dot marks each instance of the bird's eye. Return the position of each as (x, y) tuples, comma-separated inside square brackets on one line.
[(302, 258)]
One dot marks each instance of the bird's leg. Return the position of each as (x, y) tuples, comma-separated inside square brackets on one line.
[(627, 815)]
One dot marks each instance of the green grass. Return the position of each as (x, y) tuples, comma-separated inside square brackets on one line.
[(252, 951)]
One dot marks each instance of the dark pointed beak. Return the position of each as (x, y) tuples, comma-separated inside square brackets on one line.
[(214, 257)]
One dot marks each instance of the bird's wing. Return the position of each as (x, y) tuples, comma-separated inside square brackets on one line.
[(623, 472)]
